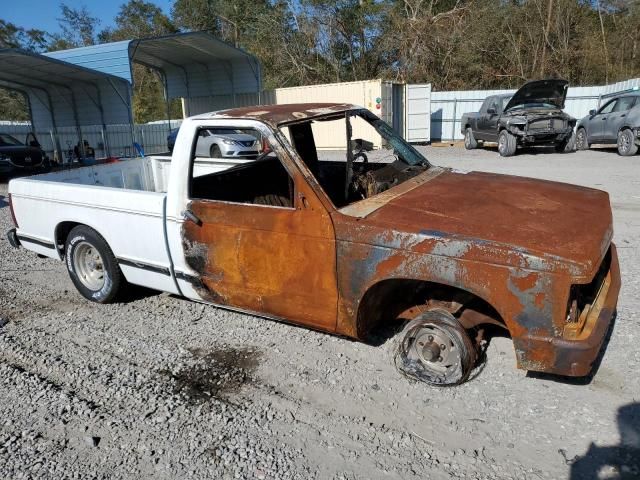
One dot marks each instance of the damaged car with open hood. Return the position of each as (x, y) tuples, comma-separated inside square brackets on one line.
[(532, 116)]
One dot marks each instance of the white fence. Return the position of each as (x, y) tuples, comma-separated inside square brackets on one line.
[(114, 140), (448, 107)]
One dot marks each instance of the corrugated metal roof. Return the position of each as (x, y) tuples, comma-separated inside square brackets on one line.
[(194, 64), (65, 95), (68, 90), (111, 58)]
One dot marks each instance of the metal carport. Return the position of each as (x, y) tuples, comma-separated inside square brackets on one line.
[(62, 95), (194, 66)]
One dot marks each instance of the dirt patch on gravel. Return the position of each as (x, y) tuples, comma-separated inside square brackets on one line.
[(216, 373)]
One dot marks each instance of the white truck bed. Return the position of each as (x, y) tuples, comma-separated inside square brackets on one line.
[(125, 201)]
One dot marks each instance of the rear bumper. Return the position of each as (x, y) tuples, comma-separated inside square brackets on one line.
[(12, 236), (576, 357)]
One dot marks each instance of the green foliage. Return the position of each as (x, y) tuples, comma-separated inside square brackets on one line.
[(140, 19), (454, 44)]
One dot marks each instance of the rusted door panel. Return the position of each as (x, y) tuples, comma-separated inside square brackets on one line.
[(270, 260)]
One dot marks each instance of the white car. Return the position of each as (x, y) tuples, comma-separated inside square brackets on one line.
[(226, 142)]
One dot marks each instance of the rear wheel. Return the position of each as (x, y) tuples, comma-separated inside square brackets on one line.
[(507, 144), (214, 151), (582, 142), (627, 143), (92, 266), (567, 146), (470, 141), (434, 348)]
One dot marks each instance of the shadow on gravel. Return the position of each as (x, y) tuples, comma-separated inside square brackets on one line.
[(541, 150), (3, 201), (134, 293), (619, 462), (216, 373), (594, 370)]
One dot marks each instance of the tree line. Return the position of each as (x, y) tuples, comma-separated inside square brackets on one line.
[(453, 44)]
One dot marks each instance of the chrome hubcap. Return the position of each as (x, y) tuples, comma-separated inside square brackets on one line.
[(89, 266), (581, 139)]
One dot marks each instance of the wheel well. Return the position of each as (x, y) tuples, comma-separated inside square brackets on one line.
[(388, 300), (62, 232)]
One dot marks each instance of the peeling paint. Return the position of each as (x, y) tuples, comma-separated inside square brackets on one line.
[(518, 245)]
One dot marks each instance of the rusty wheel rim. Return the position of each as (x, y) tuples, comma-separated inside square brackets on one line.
[(435, 349)]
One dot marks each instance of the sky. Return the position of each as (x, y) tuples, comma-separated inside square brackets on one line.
[(43, 14)]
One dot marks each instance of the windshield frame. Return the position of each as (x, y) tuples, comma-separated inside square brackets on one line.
[(392, 138), (381, 127)]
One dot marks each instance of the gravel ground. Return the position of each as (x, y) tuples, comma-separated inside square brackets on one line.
[(165, 388)]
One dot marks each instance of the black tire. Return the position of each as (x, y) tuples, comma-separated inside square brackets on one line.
[(568, 145), (627, 143), (470, 142), (507, 144), (214, 151), (79, 240), (582, 140), (435, 348)]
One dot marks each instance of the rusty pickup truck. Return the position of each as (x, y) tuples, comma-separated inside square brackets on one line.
[(353, 245)]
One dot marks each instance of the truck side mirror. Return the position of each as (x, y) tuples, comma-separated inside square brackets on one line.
[(592, 112), (491, 111)]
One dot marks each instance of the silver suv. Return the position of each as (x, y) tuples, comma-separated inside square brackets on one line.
[(616, 122)]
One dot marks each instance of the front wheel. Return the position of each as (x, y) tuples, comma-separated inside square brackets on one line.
[(92, 266), (434, 348), (214, 151), (507, 144), (470, 141), (582, 142), (627, 143), (567, 146)]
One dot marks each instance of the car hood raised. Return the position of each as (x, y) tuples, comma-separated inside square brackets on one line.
[(552, 91), (562, 227)]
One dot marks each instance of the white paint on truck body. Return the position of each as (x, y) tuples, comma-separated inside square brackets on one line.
[(129, 203)]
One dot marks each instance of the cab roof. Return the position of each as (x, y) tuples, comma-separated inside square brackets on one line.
[(284, 113)]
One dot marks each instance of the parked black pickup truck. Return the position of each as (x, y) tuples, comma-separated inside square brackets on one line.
[(531, 116)]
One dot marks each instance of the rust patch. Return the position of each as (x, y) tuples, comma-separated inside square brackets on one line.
[(514, 243)]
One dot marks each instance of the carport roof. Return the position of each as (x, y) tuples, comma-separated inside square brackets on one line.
[(192, 64), (62, 94), (24, 67)]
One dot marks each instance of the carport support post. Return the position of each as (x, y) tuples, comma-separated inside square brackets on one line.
[(54, 126), (167, 105), (107, 149), (453, 125)]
